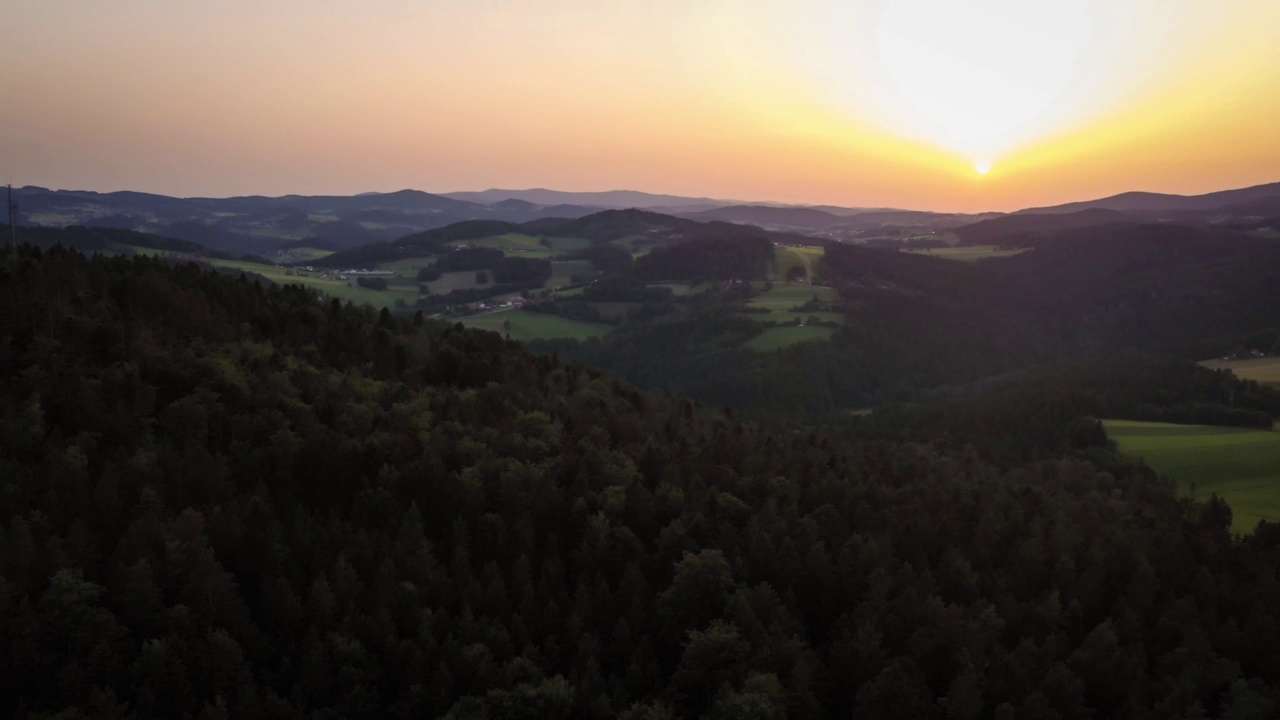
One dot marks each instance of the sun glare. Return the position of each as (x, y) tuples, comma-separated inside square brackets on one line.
[(982, 76), (983, 79), (982, 167)]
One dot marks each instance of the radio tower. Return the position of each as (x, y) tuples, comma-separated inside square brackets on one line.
[(13, 219)]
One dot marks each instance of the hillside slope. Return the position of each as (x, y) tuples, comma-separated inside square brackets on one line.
[(1165, 203), (224, 500)]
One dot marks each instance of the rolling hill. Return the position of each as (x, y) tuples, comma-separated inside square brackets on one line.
[(791, 217), (262, 224), (1025, 228), (1147, 202)]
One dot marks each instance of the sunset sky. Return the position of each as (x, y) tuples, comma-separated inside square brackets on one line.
[(858, 103)]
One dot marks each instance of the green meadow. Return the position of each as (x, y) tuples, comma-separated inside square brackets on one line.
[(1241, 465), (968, 252), (340, 289), (779, 301), (785, 296), (524, 325), (807, 258), (518, 245), (776, 338), (1265, 370), (301, 254)]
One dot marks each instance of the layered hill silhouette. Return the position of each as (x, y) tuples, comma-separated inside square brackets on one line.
[(1147, 202), (1021, 229), (616, 199), (261, 225)]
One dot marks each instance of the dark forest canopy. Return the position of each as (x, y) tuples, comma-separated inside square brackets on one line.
[(719, 253), (219, 499), (104, 240)]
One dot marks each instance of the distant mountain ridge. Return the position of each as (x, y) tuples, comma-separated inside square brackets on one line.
[(619, 199), (261, 224), (1148, 202), (801, 217)]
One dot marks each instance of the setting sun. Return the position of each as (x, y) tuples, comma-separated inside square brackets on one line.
[(982, 168)]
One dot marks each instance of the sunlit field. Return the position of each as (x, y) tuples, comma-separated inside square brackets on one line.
[(1265, 370), (1242, 465)]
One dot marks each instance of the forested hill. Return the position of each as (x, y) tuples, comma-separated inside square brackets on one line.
[(598, 228), (914, 322), (224, 500), (108, 240)]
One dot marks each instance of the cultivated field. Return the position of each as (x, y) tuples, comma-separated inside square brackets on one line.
[(524, 326), (1265, 370), (1241, 465)]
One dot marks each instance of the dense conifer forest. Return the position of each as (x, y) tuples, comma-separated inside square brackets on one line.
[(221, 499)]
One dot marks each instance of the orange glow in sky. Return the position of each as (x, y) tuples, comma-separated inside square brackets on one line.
[(932, 104)]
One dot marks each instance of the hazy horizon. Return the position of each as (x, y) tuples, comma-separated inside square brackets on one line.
[(687, 198), (870, 104)]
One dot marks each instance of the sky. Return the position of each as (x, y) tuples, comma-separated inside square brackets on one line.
[(868, 103)]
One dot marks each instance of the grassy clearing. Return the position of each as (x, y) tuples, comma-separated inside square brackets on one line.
[(968, 252), (1265, 370), (639, 244), (341, 289), (524, 326), (300, 255), (406, 269), (776, 338), (519, 245), (807, 258), (785, 296), (1241, 465), (779, 301), (512, 244)]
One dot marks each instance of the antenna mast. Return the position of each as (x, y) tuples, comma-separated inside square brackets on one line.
[(13, 219)]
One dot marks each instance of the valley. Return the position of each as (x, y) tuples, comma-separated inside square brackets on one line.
[(657, 423), (626, 360)]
